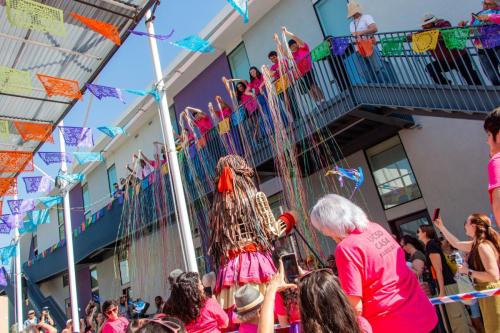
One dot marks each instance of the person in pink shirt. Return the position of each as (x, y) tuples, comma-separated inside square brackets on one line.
[(492, 127), (225, 110), (372, 269), (198, 313), (302, 57), (275, 67), (201, 120), (248, 303), (113, 324), (246, 98)]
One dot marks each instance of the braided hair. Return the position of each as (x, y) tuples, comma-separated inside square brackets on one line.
[(234, 221)]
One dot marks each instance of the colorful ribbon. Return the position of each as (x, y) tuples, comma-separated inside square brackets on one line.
[(465, 296), (241, 6), (159, 37)]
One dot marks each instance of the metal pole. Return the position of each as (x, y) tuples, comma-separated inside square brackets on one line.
[(168, 139), (69, 243), (19, 280)]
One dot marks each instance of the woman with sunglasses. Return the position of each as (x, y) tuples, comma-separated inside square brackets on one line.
[(324, 308), (483, 263), (198, 313), (114, 323), (372, 269)]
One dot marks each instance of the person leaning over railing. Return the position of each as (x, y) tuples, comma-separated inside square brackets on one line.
[(446, 60), (489, 58), (482, 264)]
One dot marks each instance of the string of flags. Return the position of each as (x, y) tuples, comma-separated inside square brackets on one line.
[(240, 6)]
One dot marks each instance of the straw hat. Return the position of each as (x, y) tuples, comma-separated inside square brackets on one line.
[(428, 19), (353, 8), (247, 298)]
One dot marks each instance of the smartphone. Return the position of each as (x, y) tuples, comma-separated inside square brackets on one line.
[(436, 213), (291, 267)]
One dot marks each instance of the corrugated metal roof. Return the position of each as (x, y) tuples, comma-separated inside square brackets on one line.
[(89, 52)]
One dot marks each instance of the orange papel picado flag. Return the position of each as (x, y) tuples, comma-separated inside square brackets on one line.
[(35, 131), (424, 41), (16, 161), (55, 86), (106, 29), (8, 186)]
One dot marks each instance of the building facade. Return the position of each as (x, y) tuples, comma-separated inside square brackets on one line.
[(418, 152)]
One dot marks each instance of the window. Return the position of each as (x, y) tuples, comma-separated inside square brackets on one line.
[(112, 179), (65, 280), (392, 172), (173, 118), (86, 200), (332, 16), (408, 225), (67, 307), (200, 260), (35, 243), (238, 61), (123, 264), (60, 221), (94, 282)]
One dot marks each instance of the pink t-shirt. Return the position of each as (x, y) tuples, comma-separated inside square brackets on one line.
[(248, 328), (371, 265), (275, 68), (255, 84), (249, 102), (226, 112), (116, 326), (281, 310), (211, 319), (493, 174), (204, 124), (303, 59)]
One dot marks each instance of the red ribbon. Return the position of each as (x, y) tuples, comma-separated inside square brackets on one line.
[(226, 181)]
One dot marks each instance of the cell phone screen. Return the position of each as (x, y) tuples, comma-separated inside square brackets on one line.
[(291, 267), (436, 214)]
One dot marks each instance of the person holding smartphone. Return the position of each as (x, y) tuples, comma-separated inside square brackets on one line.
[(45, 317)]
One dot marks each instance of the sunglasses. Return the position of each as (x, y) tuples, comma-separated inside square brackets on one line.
[(165, 323), (329, 270)]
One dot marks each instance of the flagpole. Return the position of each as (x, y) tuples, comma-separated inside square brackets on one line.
[(69, 242), (19, 278), (169, 142)]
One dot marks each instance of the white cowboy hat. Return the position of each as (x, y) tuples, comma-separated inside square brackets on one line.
[(353, 8)]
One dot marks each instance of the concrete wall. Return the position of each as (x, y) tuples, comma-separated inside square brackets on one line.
[(48, 234), (54, 287), (449, 158), (98, 188), (109, 285), (290, 13)]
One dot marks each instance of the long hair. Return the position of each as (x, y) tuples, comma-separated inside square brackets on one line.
[(324, 308), (413, 241), (233, 217), (189, 299), (259, 74), (239, 93), (484, 234)]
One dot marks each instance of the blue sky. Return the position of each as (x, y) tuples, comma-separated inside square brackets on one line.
[(131, 67)]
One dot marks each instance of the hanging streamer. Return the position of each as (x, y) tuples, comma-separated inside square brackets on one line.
[(14, 81), (38, 184), (4, 129), (340, 45), (425, 41), (55, 86), (392, 46), (356, 175), (224, 126), (21, 205), (111, 131), (13, 220), (8, 186), (3, 277), (77, 136), (106, 29), (196, 44), (55, 157), (72, 178), (159, 37), (38, 217), (152, 92), (51, 201), (88, 157), (34, 15), (35, 131), (241, 6), (6, 253), (365, 46), (489, 36), (16, 161), (455, 38), (102, 92), (321, 51), (4, 228)]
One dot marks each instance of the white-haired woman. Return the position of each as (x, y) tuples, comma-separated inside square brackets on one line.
[(372, 269)]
